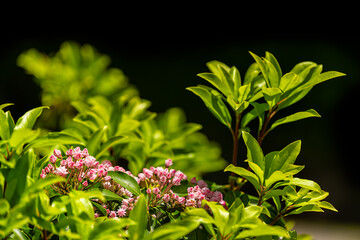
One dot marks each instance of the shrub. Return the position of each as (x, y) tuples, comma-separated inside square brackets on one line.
[(118, 171)]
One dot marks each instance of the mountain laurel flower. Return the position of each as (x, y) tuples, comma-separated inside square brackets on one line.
[(57, 153), (61, 171), (168, 163), (52, 159), (80, 169)]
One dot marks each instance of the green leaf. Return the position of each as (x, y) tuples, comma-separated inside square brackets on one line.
[(264, 230), (251, 177), (214, 104), (258, 171), (304, 183), (111, 142), (307, 208), (286, 156), (22, 136), (272, 96), (126, 181), (110, 196), (327, 205), (221, 216), (254, 151), (140, 216), (41, 184), (5, 105), (271, 58), (55, 138), (295, 117), (29, 118), (110, 229), (262, 67), (4, 206), (235, 75), (319, 79), (272, 72), (215, 81), (174, 230), (95, 139), (289, 81), (4, 126), (274, 177)]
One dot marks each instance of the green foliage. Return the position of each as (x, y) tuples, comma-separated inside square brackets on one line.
[(74, 73), (105, 114)]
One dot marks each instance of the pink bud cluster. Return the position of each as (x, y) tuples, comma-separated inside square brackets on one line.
[(200, 192), (80, 169), (123, 210), (158, 182)]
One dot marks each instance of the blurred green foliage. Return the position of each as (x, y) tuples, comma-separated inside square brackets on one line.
[(74, 73)]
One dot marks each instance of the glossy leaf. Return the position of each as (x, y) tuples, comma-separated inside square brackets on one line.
[(126, 181), (140, 216), (251, 177), (304, 183), (272, 96), (295, 117), (174, 230), (29, 118), (264, 230), (286, 156), (215, 81), (95, 139), (254, 151), (214, 104)]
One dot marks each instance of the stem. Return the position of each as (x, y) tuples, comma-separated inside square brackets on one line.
[(236, 140), (263, 131), (235, 135)]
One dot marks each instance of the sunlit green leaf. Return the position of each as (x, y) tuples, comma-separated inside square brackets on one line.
[(295, 117), (126, 181), (214, 104), (29, 118), (251, 177), (254, 151)]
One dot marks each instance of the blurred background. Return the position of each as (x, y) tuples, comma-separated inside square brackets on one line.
[(161, 65)]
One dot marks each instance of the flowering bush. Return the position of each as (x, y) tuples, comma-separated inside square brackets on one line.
[(115, 184)]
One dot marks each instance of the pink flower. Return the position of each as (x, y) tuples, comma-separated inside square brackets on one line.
[(43, 174), (176, 181), (57, 153), (148, 173), (121, 212), (89, 161), (168, 163), (96, 215), (193, 180), (180, 175), (70, 152), (141, 176), (84, 153), (61, 171), (148, 191), (112, 214), (166, 198), (202, 184), (156, 190), (52, 159), (85, 183), (163, 179)]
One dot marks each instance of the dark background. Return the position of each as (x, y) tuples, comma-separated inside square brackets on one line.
[(163, 64)]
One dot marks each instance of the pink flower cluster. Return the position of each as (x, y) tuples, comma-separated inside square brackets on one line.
[(200, 192), (158, 183), (81, 170)]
